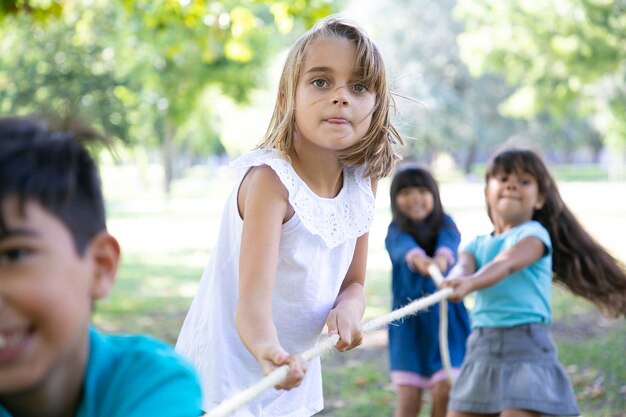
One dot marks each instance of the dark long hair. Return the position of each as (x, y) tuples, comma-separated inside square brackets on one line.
[(424, 232), (578, 260)]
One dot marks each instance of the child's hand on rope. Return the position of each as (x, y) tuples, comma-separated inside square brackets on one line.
[(420, 263), (275, 357), (441, 262), (460, 287), (345, 321)]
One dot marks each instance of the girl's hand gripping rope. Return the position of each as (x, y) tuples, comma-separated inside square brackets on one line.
[(435, 274), (275, 357), (460, 287), (277, 376), (345, 321)]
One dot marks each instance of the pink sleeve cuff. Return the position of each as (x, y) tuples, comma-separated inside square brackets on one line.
[(410, 254), (446, 253)]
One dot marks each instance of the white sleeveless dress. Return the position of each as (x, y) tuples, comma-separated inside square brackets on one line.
[(316, 249)]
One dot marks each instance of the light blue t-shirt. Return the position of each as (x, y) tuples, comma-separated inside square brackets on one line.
[(522, 297), (136, 376)]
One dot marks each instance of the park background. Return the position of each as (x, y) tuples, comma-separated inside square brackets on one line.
[(184, 86)]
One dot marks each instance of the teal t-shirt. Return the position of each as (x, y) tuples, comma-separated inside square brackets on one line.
[(136, 376), (522, 297)]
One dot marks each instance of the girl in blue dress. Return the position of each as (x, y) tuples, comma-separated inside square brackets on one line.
[(421, 234)]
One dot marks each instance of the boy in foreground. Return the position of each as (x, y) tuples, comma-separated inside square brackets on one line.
[(56, 260)]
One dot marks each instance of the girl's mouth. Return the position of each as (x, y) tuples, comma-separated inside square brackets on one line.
[(336, 121)]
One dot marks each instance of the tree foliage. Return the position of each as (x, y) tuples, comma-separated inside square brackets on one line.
[(169, 49), (564, 57), (50, 68), (140, 68), (446, 109)]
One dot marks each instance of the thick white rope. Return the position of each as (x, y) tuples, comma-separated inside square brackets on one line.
[(444, 350), (280, 374)]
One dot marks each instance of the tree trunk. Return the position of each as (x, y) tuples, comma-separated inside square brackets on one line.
[(470, 158), (168, 159)]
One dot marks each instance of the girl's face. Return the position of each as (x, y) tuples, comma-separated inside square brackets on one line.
[(333, 109), (513, 197), (416, 203)]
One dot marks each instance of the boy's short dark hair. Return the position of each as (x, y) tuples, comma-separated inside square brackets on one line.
[(53, 168)]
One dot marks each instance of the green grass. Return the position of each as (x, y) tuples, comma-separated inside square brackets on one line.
[(357, 388), (598, 370), (166, 244)]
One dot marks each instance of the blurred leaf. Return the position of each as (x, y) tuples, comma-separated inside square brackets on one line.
[(568, 55)]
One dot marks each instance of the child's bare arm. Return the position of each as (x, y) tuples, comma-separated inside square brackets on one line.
[(345, 317), (263, 203), (524, 253)]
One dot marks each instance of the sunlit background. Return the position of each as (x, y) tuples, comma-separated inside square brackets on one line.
[(184, 86)]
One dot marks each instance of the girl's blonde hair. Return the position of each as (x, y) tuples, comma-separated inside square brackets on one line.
[(578, 260), (376, 148)]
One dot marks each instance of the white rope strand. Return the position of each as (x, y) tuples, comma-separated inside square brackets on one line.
[(444, 350), (280, 374)]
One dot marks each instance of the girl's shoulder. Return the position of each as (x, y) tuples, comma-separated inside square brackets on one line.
[(448, 221), (335, 220), (275, 159), (527, 228)]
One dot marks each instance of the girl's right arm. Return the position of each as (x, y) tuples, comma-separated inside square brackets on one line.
[(403, 248), (264, 206), (463, 280), (447, 245), (398, 243)]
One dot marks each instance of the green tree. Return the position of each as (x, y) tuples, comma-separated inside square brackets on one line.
[(447, 110), (564, 57), (196, 44), (152, 59), (65, 66)]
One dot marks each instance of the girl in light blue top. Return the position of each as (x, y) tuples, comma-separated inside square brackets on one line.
[(511, 367)]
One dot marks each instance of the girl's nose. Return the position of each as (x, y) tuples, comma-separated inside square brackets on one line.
[(340, 96), (511, 183)]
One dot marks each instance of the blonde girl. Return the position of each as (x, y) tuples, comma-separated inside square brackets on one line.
[(511, 366), (291, 251)]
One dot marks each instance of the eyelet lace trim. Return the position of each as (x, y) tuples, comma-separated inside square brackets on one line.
[(346, 216)]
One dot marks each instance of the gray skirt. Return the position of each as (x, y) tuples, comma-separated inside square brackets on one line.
[(513, 368)]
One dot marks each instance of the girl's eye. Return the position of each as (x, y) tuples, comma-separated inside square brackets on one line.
[(12, 255), (320, 83), (359, 88)]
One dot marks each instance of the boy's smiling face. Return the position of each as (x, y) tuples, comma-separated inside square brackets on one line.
[(46, 295)]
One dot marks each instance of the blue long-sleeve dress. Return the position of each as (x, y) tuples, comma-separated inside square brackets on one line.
[(414, 341)]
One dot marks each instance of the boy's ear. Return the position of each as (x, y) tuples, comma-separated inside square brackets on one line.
[(105, 253)]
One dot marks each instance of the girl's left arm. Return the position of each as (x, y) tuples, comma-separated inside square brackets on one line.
[(345, 317), (448, 239), (526, 252)]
